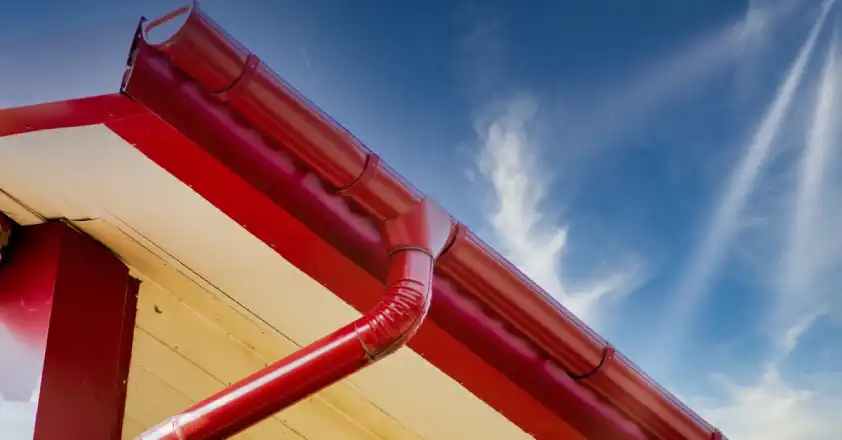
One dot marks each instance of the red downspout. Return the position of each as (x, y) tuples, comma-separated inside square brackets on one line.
[(415, 240)]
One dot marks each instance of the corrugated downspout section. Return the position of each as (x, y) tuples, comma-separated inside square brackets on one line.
[(221, 65)]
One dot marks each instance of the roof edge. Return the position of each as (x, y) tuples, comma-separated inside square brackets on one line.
[(78, 112)]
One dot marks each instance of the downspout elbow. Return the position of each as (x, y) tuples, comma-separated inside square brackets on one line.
[(415, 239)]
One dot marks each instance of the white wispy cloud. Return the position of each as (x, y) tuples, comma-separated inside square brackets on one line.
[(773, 407), (777, 404), (508, 161), (806, 254), (760, 20), (532, 241), (795, 406), (631, 102), (705, 262)]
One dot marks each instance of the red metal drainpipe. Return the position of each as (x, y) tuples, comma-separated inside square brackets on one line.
[(221, 65), (416, 231), (415, 238)]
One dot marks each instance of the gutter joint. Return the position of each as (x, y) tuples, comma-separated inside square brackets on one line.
[(609, 354)]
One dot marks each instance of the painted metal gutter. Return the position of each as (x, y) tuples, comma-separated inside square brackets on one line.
[(415, 239), (195, 77)]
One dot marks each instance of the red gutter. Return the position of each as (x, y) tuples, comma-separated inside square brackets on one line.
[(475, 279)]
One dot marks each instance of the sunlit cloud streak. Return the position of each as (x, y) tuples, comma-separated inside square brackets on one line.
[(806, 254), (633, 100), (769, 407), (533, 242), (695, 281)]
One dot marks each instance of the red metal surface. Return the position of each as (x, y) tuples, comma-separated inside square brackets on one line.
[(338, 156), (73, 113), (276, 110), (415, 239), (69, 305), (475, 267)]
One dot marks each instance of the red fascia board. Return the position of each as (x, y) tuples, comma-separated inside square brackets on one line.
[(63, 114)]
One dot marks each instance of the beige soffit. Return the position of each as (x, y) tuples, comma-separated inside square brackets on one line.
[(205, 268)]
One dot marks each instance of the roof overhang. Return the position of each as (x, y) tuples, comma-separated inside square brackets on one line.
[(216, 303)]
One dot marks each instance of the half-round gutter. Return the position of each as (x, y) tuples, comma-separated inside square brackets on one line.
[(415, 239), (223, 67)]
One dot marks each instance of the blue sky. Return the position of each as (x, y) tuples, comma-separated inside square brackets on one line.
[(669, 170)]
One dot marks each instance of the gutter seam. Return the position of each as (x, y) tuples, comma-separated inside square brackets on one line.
[(607, 356)]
